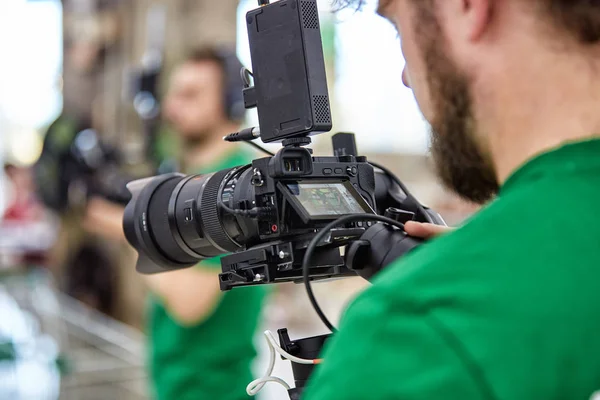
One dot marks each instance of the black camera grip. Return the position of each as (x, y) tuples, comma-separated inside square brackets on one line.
[(378, 247)]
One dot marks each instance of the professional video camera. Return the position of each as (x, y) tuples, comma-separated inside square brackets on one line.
[(286, 217)]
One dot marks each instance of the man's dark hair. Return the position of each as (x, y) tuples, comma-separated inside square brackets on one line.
[(209, 54), (231, 81), (580, 18)]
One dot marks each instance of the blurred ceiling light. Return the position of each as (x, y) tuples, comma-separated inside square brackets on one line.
[(24, 147)]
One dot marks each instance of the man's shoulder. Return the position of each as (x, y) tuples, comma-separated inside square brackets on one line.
[(516, 243), (239, 156), (473, 235), (491, 242)]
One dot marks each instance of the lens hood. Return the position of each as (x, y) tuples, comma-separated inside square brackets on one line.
[(138, 228)]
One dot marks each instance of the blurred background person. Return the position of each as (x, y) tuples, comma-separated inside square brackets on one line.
[(201, 340), (27, 231), (22, 203)]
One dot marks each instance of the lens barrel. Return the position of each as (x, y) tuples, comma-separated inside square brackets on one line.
[(174, 221)]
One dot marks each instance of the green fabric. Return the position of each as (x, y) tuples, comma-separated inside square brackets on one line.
[(506, 307), (211, 360), (168, 144)]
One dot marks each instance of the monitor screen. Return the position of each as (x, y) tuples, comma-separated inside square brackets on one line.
[(326, 200)]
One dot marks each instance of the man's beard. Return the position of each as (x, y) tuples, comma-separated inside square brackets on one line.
[(195, 140), (460, 162), (191, 139)]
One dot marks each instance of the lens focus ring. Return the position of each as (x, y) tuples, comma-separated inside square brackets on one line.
[(210, 213)]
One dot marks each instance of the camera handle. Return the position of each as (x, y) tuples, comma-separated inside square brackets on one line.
[(307, 348)]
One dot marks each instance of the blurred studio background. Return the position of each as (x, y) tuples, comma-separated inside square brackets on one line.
[(76, 75)]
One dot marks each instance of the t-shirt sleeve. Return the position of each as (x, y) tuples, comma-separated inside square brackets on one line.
[(388, 351), (212, 264)]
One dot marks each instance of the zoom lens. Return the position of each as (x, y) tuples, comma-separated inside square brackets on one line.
[(174, 221)]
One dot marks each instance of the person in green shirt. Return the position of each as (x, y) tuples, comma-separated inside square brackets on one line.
[(200, 339), (508, 305)]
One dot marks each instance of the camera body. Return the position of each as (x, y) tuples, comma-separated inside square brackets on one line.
[(276, 202), (300, 195)]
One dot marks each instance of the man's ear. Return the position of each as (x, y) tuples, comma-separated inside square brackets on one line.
[(477, 17), (466, 20)]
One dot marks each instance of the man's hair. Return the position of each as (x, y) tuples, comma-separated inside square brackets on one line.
[(208, 54), (580, 18), (231, 83)]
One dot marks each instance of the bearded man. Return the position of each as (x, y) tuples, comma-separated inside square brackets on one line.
[(508, 305)]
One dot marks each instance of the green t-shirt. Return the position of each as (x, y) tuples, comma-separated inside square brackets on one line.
[(506, 307), (211, 360)]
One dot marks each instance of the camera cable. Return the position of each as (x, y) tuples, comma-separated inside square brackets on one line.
[(411, 200), (259, 147), (256, 385), (319, 238)]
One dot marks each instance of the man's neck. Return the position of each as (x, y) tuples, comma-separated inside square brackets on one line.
[(205, 153), (540, 106)]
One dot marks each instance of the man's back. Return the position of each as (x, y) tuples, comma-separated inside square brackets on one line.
[(507, 307)]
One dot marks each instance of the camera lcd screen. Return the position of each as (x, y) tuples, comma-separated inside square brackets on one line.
[(325, 200)]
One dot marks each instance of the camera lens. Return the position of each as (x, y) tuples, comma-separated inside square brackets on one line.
[(175, 221), (158, 222)]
